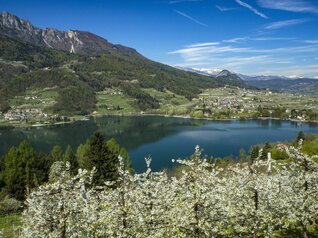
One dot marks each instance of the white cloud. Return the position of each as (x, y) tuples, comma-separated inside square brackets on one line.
[(209, 50), (273, 38), (225, 9), (311, 41), (305, 70), (281, 24), (252, 9), (190, 18), (237, 39), (248, 38), (250, 60), (203, 44), (289, 5)]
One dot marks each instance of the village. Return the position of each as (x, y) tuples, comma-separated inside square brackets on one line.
[(236, 103)]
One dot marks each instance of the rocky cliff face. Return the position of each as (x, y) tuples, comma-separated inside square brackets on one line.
[(72, 41)]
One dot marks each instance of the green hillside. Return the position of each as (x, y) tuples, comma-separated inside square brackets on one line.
[(77, 79)]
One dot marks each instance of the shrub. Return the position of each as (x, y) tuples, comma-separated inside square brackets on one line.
[(10, 205)]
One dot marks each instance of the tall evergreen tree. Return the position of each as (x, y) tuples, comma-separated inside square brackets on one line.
[(103, 159), (16, 171), (23, 169)]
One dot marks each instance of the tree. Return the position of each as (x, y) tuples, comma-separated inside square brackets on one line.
[(242, 155), (255, 152), (16, 170), (98, 156), (267, 147), (70, 156), (57, 153), (264, 198), (64, 208), (300, 136)]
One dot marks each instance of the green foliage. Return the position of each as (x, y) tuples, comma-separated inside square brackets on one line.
[(278, 154), (103, 156), (82, 155), (197, 114), (310, 147), (10, 225), (300, 136), (100, 158), (32, 56), (22, 169), (143, 100), (116, 150), (56, 153), (266, 149), (70, 156), (75, 100), (10, 205), (79, 77), (255, 152)]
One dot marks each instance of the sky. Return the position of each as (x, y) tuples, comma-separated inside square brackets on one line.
[(254, 37)]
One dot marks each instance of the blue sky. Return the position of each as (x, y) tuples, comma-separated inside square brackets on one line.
[(268, 37)]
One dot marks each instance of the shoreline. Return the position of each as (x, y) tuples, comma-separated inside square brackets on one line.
[(8, 125)]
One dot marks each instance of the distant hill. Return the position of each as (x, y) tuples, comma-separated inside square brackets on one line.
[(226, 76), (304, 86), (300, 86), (79, 64), (222, 76)]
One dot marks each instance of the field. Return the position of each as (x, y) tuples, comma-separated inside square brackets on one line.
[(42, 99), (114, 101)]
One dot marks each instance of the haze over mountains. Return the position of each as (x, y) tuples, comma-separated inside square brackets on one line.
[(296, 85)]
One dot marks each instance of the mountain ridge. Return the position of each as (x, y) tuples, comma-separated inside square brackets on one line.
[(72, 41)]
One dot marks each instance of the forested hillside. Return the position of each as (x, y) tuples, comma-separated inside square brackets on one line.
[(76, 78)]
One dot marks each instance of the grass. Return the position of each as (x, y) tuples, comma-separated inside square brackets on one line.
[(109, 102), (167, 98), (35, 98), (170, 103), (10, 225)]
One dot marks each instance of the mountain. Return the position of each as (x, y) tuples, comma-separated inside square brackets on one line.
[(304, 86), (261, 77), (222, 76), (75, 66), (295, 85), (203, 71), (72, 41)]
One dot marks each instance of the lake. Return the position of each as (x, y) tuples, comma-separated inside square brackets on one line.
[(161, 138)]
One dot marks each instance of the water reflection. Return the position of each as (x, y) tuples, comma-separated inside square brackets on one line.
[(162, 138)]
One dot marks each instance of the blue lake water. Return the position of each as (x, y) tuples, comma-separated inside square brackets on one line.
[(162, 138)]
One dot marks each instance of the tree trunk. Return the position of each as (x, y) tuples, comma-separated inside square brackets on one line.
[(305, 232)]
